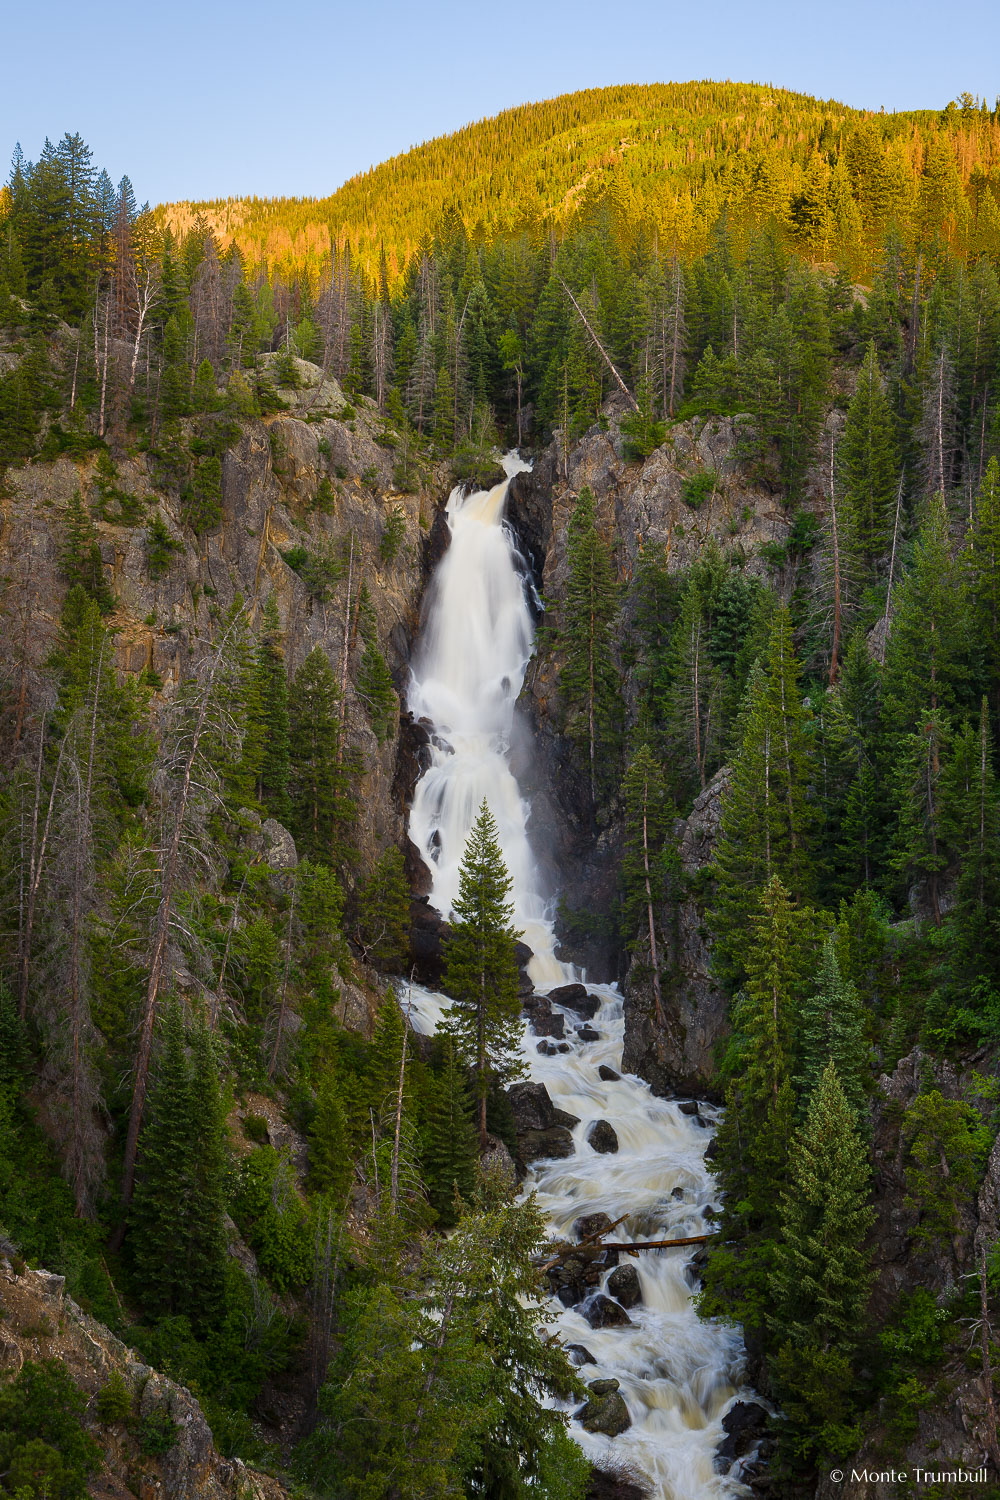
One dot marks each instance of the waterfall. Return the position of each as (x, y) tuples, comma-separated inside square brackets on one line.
[(677, 1373)]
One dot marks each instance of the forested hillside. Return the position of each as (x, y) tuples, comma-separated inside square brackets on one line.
[(765, 520), (669, 159)]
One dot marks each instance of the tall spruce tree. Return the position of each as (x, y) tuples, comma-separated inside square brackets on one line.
[(480, 972), (383, 905), (868, 461), (831, 1029), (177, 1239), (322, 810), (648, 812), (766, 817), (450, 1144), (821, 1279), (589, 682)]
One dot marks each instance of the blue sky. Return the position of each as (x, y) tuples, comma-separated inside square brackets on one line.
[(214, 98)]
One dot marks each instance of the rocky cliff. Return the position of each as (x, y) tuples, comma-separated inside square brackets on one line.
[(40, 1322)]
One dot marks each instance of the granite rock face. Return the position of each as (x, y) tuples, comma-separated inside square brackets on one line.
[(41, 1322), (680, 1057)]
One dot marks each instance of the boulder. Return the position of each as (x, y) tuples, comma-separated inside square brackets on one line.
[(588, 1034), (533, 1110), (618, 1486), (542, 1145), (574, 997), (591, 1224), (579, 1354), (538, 1009), (603, 1312), (428, 933), (688, 1106), (279, 846), (608, 1075), (623, 1284), (602, 1137), (606, 1411), (743, 1424)]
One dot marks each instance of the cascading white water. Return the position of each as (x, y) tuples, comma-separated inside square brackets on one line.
[(678, 1374)]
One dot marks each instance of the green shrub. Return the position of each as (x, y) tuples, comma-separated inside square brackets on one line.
[(160, 547), (114, 1400), (157, 1433), (44, 1450), (698, 488), (393, 533)]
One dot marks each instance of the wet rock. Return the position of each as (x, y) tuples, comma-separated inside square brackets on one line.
[(579, 1354), (576, 998), (743, 1424), (688, 1106), (602, 1137), (576, 1275), (605, 1486), (591, 1224), (623, 1284), (538, 1009), (709, 1214), (608, 1075), (541, 1145), (588, 1034), (606, 1411), (428, 934), (547, 1049), (677, 1192), (604, 1312), (682, 1055), (533, 1110)]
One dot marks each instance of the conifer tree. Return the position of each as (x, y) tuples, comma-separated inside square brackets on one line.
[(925, 661), (450, 1145), (589, 682), (821, 1280), (384, 913), (867, 461), (643, 872), (982, 567), (317, 782), (265, 741), (753, 1139), (831, 1029), (480, 971), (330, 1166), (766, 819), (695, 695), (81, 556), (373, 679), (177, 1239)]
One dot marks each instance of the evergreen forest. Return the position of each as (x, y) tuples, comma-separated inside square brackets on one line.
[(216, 1121)]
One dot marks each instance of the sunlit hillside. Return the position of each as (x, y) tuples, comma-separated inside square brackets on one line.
[(671, 158)]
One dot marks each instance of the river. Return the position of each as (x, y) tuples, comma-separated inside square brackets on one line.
[(677, 1373)]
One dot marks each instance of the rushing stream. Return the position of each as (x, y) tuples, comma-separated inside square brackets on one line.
[(678, 1374)]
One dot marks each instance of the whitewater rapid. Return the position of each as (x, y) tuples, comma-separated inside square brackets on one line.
[(678, 1373)]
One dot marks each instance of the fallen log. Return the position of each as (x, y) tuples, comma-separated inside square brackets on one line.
[(589, 1239), (692, 1239), (629, 1247)]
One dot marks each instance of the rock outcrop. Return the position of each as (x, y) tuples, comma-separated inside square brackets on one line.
[(681, 1056), (40, 1322)]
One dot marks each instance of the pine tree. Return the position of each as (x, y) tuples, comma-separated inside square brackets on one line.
[(981, 560), (450, 1145), (925, 662), (176, 1235), (330, 1167), (480, 971), (821, 1279), (373, 679), (867, 461), (81, 555), (318, 789), (753, 1138), (766, 819), (694, 705), (265, 739), (589, 682), (384, 913), (648, 812), (831, 1029)]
